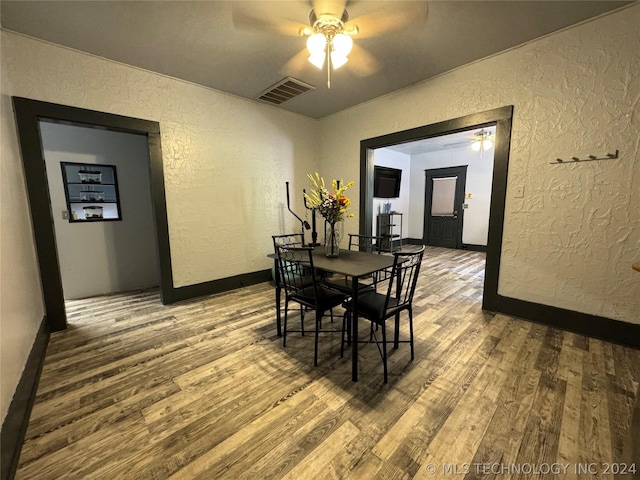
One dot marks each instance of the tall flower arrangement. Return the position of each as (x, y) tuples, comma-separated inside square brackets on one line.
[(332, 205)]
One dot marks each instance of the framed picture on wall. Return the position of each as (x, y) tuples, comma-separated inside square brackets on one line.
[(91, 191)]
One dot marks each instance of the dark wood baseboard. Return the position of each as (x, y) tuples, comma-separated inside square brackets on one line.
[(465, 246), (217, 286), (15, 423), (475, 248), (603, 328), (616, 331), (413, 241)]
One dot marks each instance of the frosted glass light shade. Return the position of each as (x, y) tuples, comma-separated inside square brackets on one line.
[(316, 44), (338, 60), (317, 59), (487, 144), (342, 44), (475, 146)]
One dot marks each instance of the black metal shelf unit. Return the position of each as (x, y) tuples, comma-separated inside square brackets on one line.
[(389, 229)]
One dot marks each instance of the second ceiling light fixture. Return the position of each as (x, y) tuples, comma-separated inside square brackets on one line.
[(482, 141)]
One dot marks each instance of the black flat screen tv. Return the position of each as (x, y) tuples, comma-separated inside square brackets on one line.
[(386, 182)]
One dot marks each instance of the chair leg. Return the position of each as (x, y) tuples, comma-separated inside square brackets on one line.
[(346, 327), (396, 333), (315, 350), (284, 330), (384, 350), (411, 331)]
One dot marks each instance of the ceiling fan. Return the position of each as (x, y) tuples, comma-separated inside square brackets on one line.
[(479, 140), (330, 37), (483, 140), (330, 30)]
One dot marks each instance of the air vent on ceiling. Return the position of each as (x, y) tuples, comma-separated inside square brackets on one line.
[(284, 90)]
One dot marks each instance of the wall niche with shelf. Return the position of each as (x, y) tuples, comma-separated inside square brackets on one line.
[(91, 191)]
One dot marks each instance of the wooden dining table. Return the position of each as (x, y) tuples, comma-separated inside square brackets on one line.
[(354, 264)]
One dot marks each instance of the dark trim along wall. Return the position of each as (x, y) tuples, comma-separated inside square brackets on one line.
[(475, 248), (15, 423), (603, 328), (221, 285)]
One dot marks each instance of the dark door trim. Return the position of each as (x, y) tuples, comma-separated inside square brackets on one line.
[(502, 118), (461, 172), (28, 114)]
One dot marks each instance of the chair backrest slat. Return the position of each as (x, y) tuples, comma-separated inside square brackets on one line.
[(296, 268), (288, 239), (365, 243), (404, 277)]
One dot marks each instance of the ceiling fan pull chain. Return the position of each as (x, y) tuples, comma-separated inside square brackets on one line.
[(328, 65)]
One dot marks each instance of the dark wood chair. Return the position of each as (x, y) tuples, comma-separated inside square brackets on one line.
[(378, 307), (303, 287)]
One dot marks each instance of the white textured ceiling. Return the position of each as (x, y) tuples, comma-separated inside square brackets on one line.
[(244, 47)]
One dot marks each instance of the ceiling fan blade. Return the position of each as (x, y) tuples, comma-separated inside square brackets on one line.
[(330, 7), (296, 64), (361, 62), (388, 17), (263, 16)]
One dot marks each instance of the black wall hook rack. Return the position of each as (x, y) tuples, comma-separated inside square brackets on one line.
[(590, 158)]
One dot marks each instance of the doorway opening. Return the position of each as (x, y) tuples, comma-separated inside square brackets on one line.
[(29, 113), (501, 118), (101, 201)]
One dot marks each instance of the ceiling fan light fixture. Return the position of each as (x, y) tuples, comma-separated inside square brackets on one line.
[(317, 59), (316, 44), (352, 30), (338, 60), (342, 44), (482, 141), (330, 38)]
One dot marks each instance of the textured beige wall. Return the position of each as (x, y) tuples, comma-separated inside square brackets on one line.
[(571, 240), (226, 160), (21, 305)]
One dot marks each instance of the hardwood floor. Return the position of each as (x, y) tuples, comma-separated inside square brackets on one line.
[(204, 389)]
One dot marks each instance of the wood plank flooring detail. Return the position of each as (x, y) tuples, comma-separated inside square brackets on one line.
[(205, 390)]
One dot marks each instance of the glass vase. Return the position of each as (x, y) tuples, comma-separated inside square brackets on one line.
[(332, 240)]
